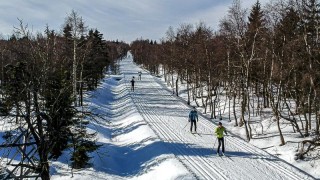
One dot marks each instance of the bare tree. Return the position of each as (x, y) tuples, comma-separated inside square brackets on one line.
[(78, 28)]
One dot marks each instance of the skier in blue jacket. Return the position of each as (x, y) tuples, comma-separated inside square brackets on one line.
[(193, 117)]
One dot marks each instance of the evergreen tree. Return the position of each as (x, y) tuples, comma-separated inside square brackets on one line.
[(311, 21), (255, 30), (37, 95)]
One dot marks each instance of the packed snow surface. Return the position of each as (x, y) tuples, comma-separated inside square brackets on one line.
[(145, 135)]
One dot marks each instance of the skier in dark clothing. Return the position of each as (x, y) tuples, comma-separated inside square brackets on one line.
[(219, 133), (193, 117), (139, 75), (132, 84)]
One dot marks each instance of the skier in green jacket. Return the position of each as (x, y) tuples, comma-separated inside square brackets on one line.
[(219, 133)]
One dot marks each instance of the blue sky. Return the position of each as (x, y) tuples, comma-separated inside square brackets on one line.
[(124, 20)]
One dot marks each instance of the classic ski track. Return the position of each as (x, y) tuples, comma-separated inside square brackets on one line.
[(208, 161), (205, 165), (261, 156), (157, 133), (181, 140), (204, 142), (275, 165), (167, 136)]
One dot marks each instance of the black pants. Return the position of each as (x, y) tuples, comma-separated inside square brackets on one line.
[(132, 87), (220, 141), (195, 125)]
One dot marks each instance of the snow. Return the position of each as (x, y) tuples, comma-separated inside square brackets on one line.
[(145, 135), (130, 148), (266, 135)]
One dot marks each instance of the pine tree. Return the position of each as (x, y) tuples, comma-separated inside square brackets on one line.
[(311, 21), (58, 102), (96, 60), (255, 30), (37, 95)]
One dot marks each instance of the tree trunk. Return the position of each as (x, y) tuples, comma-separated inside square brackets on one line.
[(42, 145), (177, 86), (234, 109), (214, 104), (317, 122), (279, 129), (249, 116), (315, 106), (309, 108), (242, 120), (306, 119), (229, 109), (74, 71), (188, 90), (172, 83), (164, 73)]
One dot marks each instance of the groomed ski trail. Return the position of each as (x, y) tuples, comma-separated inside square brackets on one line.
[(167, 116)]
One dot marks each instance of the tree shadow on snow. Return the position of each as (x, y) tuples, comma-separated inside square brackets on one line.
[(133, 159)]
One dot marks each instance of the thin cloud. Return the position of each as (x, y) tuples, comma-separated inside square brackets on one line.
[(124, 20)]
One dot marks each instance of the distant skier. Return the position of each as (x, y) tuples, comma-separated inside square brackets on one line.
[(219, 133), (140, 75), (193, 117), (132, 84)]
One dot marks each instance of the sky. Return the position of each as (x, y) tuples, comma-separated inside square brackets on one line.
[(123, 20)]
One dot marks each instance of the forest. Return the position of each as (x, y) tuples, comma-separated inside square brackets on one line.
[(259, 58), (43, 82), (263, 57)]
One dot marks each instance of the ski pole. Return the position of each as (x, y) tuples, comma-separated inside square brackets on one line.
[(225, 142), (185, 125), (214, 144)]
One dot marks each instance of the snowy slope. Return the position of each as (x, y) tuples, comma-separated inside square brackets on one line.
[(167, 116), (148, 138), (130, 148)]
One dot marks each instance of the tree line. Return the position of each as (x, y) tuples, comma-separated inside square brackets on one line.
[(262, 58), (43, 78)]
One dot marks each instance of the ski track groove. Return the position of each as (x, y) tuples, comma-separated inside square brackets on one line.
[(198, 154), (167, 136), (243, 147), (200, 165), (260, 156), (165, 133), (276, 166), (158, 135), (224, 158), (217, 170)]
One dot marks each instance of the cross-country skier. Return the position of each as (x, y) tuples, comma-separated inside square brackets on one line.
[(132, 84), (219, 133), (139, 75), (193, 117)]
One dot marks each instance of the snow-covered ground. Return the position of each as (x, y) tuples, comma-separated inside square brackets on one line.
[(147, 137), (131, 150), (264, 129)]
